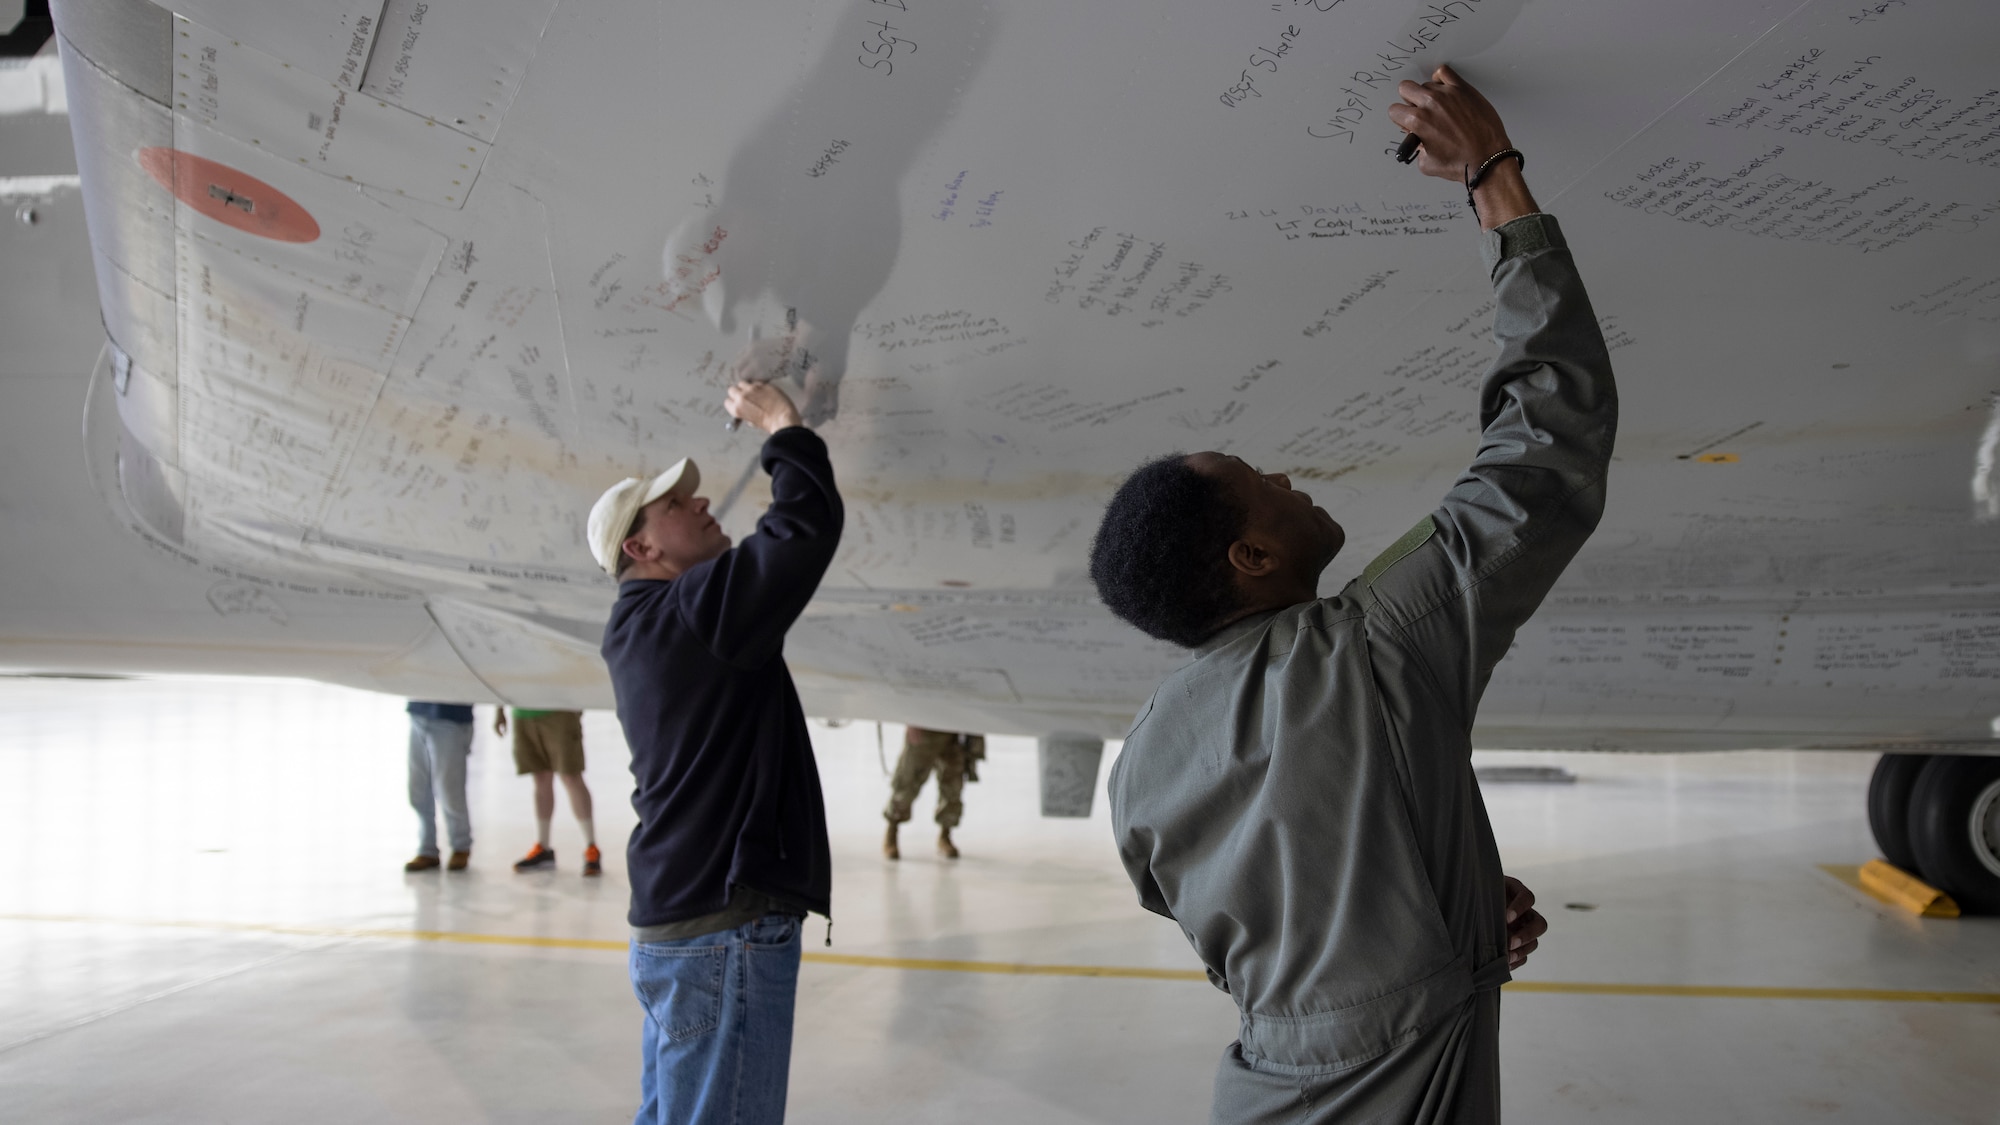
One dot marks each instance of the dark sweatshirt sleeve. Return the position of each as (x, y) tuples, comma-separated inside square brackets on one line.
[(743, 602), (1459, 584)]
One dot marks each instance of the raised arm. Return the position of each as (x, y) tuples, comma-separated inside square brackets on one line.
[(1458, 586), (742, 603)]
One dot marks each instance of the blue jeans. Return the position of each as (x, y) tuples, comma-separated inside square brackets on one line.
[(718, 1031), (437, 778)]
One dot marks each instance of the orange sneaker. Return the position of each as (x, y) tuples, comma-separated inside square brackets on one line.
[(538, 856), (593, 861)]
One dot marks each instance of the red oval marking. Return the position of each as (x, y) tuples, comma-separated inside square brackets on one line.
[(228, 196)]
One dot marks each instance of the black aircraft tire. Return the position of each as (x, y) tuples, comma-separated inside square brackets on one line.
[(1957, 853), (1889, 806)]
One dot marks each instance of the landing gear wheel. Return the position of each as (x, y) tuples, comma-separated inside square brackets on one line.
[(1889, 806), (1955, 829)]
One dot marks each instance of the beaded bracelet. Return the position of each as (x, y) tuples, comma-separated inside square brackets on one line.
[(1473, 179)]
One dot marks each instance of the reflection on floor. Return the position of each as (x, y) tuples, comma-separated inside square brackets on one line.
[(265, 820)]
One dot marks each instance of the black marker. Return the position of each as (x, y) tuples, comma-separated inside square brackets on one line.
[(1407, 151)]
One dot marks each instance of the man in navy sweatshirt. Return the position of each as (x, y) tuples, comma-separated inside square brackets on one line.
[(730, 852)]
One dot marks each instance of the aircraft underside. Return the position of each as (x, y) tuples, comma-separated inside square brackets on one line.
[(390, 291)]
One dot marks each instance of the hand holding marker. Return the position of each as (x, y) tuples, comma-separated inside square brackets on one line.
[(760, 363), (766, 361)]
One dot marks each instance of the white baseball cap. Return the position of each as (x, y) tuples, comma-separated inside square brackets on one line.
[(611, 517)]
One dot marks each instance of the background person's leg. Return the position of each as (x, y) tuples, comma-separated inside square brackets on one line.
[(581, 805), (950, 786), (579, 796), (912, 768), (421, 799), (540, 855), (531, 759), (545, 805), (450, 744)]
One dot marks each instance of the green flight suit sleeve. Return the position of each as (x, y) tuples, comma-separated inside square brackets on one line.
[(1457, 587)]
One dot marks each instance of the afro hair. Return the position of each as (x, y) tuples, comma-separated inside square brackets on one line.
[(1161, 557)]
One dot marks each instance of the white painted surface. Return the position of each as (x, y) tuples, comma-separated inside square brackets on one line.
[(280, 804), (1037, 243)]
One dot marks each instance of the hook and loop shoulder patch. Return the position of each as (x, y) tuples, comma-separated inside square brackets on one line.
[(1399, 550)]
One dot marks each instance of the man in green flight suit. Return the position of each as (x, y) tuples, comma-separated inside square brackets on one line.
[(1300, 797)]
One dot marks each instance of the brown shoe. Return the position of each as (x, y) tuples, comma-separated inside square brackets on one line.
[(889, 848), (422, 863), (458, 861), (946, 848)]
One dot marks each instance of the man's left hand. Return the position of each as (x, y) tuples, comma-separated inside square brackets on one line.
[(1460, 129), (1525, 924)]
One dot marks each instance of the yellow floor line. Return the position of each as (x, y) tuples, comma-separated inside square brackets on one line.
[(1015, 968), (1008, 968), (1896, 995)]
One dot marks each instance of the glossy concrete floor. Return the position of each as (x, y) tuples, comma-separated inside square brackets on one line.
[(203, 918)]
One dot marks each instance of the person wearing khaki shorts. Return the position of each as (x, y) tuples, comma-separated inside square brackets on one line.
[(548, 745)]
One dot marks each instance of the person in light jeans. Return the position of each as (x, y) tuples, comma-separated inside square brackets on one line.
[(730, 852), (440, 741)]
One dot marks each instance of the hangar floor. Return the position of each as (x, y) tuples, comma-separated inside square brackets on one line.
[(203, 918)]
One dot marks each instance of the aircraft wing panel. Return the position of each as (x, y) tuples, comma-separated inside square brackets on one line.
[(1013, 250)]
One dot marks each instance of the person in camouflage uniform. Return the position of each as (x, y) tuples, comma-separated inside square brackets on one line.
[(956, 758)]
